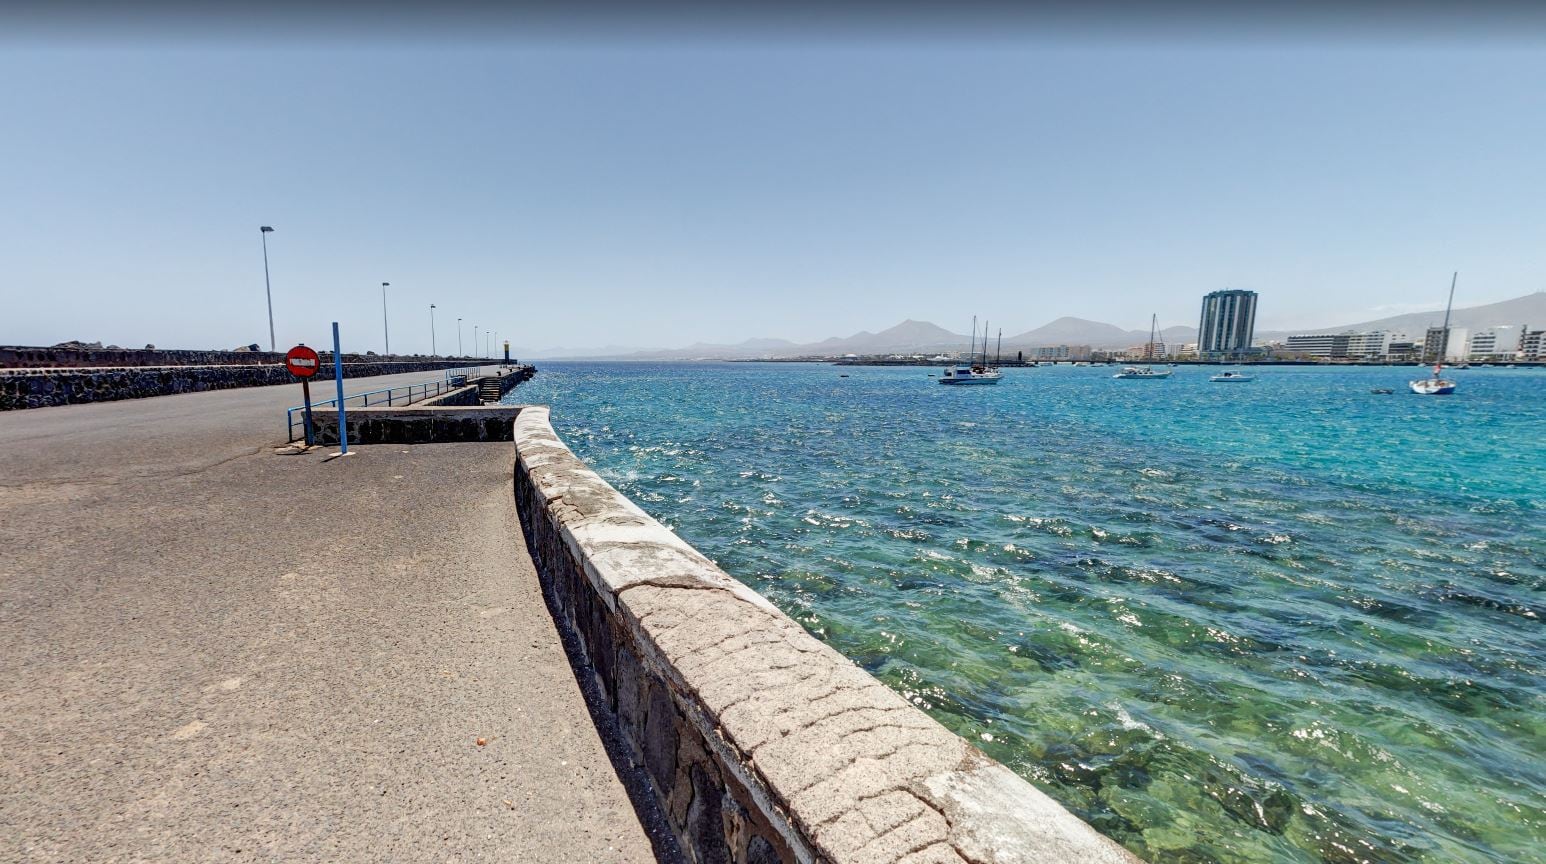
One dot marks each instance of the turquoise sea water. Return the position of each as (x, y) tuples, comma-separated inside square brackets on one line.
[(1285, 621)]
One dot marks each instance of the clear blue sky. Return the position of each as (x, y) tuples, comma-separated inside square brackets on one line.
[(657, 190)]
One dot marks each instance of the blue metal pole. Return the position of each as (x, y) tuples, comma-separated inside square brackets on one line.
[(338, 378)]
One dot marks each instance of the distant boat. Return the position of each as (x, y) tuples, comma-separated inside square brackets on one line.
[(974, 372), (1231, 376), (1146, 371), (1436, 384), (1382, 391)]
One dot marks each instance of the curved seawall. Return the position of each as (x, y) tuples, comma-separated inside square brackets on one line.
[(762, 743)]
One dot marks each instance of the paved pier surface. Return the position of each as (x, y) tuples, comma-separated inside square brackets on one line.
[(214, 653)]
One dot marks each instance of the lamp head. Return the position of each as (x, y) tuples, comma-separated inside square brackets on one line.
[(264, 229)]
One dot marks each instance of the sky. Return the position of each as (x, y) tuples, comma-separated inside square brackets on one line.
[(585, 182)]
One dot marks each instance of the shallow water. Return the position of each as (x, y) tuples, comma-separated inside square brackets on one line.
[(1285, 620)]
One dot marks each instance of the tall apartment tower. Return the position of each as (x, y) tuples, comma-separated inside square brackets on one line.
[(1228, 324)]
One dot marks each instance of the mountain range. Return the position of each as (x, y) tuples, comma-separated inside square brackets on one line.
[(922, 337)]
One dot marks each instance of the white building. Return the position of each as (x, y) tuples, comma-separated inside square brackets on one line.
[(1371, 345), (1318, 345), (1495, 343), (1054, 353)]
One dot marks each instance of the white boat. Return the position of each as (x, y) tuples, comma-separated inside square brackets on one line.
[(1436, 384), (1143, 372), (970, 375), (1146, 371), (1231, 376), (974, 372)]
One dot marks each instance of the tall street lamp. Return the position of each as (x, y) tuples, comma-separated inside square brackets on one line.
[(458, 337), (386, 334), (432, 351), (263, 231), (474, 339)]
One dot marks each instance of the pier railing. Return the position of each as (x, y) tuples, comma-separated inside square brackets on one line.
[(407, 394)]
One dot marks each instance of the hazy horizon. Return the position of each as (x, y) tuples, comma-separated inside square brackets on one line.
[(576, 184)]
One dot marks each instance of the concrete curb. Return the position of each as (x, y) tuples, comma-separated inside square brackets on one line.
[(763, 743)]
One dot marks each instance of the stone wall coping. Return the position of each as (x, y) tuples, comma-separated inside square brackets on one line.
[(844, 768)]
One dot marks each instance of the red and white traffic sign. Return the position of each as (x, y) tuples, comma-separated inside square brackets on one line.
[(302, 361)]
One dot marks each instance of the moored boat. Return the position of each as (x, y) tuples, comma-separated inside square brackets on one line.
[(974, 372), (1436, 384), (1231, 376), (1146, 371)]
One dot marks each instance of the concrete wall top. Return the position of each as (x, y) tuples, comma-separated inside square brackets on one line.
[(28, 357), (848, 770)]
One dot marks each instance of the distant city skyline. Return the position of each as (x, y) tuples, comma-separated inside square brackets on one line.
[(652, 191)]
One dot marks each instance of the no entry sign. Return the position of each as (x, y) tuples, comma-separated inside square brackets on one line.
[(302, 361)]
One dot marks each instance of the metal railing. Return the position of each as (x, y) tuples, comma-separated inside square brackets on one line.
[(465, 371), (405, 395)]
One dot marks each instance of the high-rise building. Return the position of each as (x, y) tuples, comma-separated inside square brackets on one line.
[(1532, 344), (1451, 344), (1228, 324)]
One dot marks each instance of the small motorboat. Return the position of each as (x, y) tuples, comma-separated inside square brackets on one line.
[(1230, 376), (1382, 391)]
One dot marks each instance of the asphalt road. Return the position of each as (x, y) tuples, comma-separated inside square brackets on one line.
[(216, 653)]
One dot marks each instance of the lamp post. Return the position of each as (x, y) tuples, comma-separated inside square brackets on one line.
[(263, 231), (386, 335), (474, 339), (458, 337), (432, 351)]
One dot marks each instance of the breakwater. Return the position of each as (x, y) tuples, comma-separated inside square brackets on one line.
[(762, 743), (64, 357), (38, 388)]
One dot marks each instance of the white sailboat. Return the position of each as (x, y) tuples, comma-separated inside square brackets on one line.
[(1436, 384), (973, 372), (1146, 371)]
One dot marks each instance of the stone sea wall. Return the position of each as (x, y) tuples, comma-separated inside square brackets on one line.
[(29, 357), (762, 743), (37, 389)]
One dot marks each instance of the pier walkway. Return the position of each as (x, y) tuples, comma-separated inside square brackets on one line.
[(216, 653)]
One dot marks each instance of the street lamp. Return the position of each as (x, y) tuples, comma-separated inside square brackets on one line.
[(474, 339), (432, 352), (263, 231), (386, 334), (458, 337)]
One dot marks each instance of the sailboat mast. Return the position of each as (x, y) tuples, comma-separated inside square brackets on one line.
[(973, 350), (1153, 321), (998, 350), (985, 342), (1438, 365)]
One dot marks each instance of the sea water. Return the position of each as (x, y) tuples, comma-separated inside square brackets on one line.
[(1285, 620)]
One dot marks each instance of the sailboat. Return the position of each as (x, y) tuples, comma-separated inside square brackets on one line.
[(1436, 384), (974, 372), (1146, 371)]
